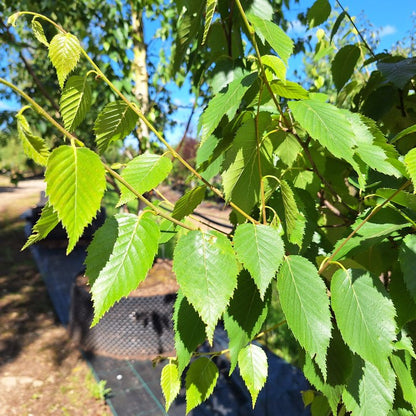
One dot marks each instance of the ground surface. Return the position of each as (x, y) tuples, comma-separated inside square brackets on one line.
[(41, 372)]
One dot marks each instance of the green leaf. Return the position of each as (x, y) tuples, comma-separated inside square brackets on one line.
[(344, 63), (407, 259), (274, 35), (410, 162), (260, 249), (245, 315), (167, 231), (189, 22), (289, 148), (75, 101), (404, 133), (143, 173), (11, 20), (405, 378), (189, 330), (289, 89), (129, 262), (226, 102), (304, 300), (209, 14), (358, 302), (45, 224), (75, 185), (260, 8), (318, 13), (201, 379), (206, 270), (241, 178), (100, 249), (38, 32), (398, 73), (64, 53), (114, 122), (328, 125), (33, 146), (294, 220), (331, 392), (252, 361), (372, 232), (369, 149), (337, 24), (170, 383), (276, 64), (400, 412), (188, 202), (368, 392), (390, 151)]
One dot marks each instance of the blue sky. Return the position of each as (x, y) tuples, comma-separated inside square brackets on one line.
[(393, 18)]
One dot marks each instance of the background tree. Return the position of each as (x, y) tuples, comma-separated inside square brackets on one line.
[(322, 199)]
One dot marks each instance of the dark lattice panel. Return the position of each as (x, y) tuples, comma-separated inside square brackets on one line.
[(135, 327)]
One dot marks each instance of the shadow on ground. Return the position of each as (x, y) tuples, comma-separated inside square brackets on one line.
[(25, 308)]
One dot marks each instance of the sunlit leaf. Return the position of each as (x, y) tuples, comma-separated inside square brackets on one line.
[(38, 32), (47, 221), (75, 101), (170, 383), (410, 162), (274, 36), (100, 249), (206, 270), (358, 302), (209, 14), (260, 248), (143, 173), (64, 53), (368, 392), (75, 185), (129, 262), (188, 202), (226, 102), (252, 361), (276, 64), (115, 121), (304, 300), (33, 146)]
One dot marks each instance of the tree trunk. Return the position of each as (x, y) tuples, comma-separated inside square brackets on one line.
[(140, 75)]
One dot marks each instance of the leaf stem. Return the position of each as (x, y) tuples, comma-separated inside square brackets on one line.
[(376, 209), (162, 140), (42, 112), (74, 140), (59, 27), (262, 70), (355, 27), (258, 145), (158, 211)]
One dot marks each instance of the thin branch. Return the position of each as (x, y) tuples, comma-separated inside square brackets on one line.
[(356, 28), (376, 209), (39, 83)]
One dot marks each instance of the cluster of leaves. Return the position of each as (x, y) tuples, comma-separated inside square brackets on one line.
[(322, 210)]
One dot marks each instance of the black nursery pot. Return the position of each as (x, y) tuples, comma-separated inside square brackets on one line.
[(136, 327), (58, 233)]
